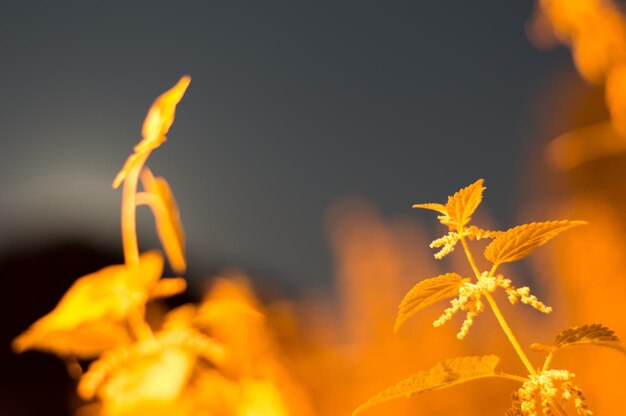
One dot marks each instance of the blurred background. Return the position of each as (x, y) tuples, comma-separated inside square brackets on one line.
[(291, 108), (306, 134)]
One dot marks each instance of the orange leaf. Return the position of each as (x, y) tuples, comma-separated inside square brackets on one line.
[(594, 334), (155, 126), (463, 203), (444, 374), (169, 227), (94, 304), (433, 207), (161, 116), (426, 293), (518, 242)]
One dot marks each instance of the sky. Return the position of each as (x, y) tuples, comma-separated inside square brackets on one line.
[(293, 106)]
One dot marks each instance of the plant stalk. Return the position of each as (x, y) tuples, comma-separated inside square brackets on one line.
[(496, 310), (129, 217)]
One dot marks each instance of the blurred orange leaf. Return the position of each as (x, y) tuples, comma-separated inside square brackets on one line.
[(104, 297), (156, 125), (158, 196), (85, 341)]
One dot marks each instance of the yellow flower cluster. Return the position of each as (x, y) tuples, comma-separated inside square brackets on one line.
[(470, 300), (523, 294), (448, 241), (540, 393)]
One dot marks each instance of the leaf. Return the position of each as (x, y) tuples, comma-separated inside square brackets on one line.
[(463, 203), (518, 242), (433, 207), (155, 126), (426, 293), (158, 196), (594, 334), (94, 305), (85, 341), (127, 374), (444, 374)]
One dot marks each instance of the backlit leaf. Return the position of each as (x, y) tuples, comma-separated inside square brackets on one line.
[(433, 207), (445, 374), (594, 334), (158, 196), (155, 126), (518, 242), (85, 341), (462, 204), (93, 309), (426, 293)]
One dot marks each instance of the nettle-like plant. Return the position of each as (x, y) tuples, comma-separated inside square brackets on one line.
[(544, 390)]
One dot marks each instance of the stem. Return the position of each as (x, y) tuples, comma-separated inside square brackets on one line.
[(512, 377), (138, 326), (558, 407), (129, 220), (505, 327), (546, 363), (494, 307), (468, 253), (509, 333)]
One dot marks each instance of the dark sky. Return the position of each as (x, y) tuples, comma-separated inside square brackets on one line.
[(293, 105)]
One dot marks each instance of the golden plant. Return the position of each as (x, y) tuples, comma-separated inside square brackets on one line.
[(198, 359), (544, 390)]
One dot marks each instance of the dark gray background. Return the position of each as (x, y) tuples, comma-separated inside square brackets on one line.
[(292, 106)]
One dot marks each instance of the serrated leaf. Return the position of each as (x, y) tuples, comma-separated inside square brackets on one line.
[(518, 242), (445, 374), (426, 293), (462, 204), (594, 334)]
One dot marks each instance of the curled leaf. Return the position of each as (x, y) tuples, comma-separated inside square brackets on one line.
[(158, 196), (156, 125), (594, 334), (445, 374), (518, 242), (426, 293)]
